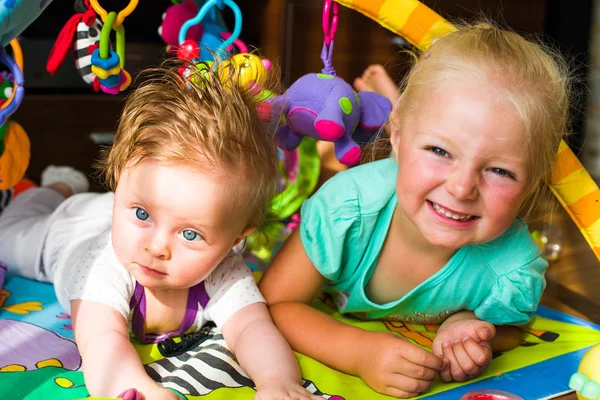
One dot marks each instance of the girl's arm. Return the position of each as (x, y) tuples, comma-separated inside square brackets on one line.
[(264, 354), (289, 285), (110, 363), (387, 363)]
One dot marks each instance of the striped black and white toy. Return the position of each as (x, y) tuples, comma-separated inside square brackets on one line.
[(86, 36), (5, 196), (206, 368)]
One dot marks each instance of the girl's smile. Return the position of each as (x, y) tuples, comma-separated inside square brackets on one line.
[(452, 218)]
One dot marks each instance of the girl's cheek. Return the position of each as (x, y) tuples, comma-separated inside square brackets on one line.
[(505, 195)]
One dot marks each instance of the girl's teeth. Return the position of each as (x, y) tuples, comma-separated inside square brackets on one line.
[(448, 214)]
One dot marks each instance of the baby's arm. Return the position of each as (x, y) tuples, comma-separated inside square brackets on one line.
[(264, 354), (384, 361), (110, 363)]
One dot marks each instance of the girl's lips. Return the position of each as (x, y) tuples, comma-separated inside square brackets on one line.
[(454, 223)]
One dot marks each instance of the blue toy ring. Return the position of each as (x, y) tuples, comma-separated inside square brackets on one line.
[(198, 18), (18, 78)]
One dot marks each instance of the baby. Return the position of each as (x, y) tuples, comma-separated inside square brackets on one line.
[(192, 169)]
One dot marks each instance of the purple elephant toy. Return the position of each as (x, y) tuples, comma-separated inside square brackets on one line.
[(326, 107)]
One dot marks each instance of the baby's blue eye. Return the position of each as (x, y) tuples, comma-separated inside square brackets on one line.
[(439, 152), (141, 214), (190, 235)]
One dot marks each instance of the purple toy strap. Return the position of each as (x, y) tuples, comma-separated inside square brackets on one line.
[(329, 31), (197, 295), (326, 55)]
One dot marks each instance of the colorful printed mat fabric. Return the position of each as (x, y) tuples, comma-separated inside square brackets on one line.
[(39, 359)]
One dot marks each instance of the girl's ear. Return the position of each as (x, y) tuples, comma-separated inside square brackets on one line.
[(395, 138)]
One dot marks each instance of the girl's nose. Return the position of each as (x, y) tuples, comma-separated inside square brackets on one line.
[(463, 183)]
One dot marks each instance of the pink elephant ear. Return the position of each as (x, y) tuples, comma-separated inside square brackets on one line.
[(374, 110)]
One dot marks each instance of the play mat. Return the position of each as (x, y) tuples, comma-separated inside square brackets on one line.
[(39, 358)]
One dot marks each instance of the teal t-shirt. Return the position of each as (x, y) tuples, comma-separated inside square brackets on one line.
[(343, 228)]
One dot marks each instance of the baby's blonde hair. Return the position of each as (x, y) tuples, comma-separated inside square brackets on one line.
[(202, 121), (533, 78)]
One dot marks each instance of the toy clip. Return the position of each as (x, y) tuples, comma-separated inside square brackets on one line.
[(191, 48), (329, 31), (108, 65), (120, 17)]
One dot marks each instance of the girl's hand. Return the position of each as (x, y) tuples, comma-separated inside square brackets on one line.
[(394, 366), (465, 343), (284, 389)]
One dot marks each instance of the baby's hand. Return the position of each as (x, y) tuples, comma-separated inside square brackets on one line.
[(284, 389), (155, 393), (394, 366), (466, 345)]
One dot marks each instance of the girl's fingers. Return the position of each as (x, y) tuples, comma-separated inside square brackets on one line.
[(452, 352), (480, 353), (415, 371), (462, 351)]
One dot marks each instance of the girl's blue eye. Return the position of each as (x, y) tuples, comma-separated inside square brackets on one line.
[(190, 235), (141, 214), (439, 152), (501, 172)]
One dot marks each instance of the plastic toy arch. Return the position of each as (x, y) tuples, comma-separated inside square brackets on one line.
[(570, 182)]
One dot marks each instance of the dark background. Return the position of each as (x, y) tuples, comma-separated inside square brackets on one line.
[(60, 112)]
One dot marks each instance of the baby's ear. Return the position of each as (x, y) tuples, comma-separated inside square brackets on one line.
[(242, 238), (248, 230)]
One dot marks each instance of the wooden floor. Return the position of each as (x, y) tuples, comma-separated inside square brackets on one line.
[(574, 279)]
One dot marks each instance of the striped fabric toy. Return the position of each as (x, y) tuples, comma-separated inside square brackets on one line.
[(570, 182)]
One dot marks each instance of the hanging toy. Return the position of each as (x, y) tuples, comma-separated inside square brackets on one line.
[(237, 44), (325, 107), (173, 19), (109, 65), (298, 168), (190, 50), (250, 72), (88, 40), (82, 34), (14, 143)]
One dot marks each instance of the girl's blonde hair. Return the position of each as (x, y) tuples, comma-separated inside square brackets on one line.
[(206, 119), (533, 78)]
